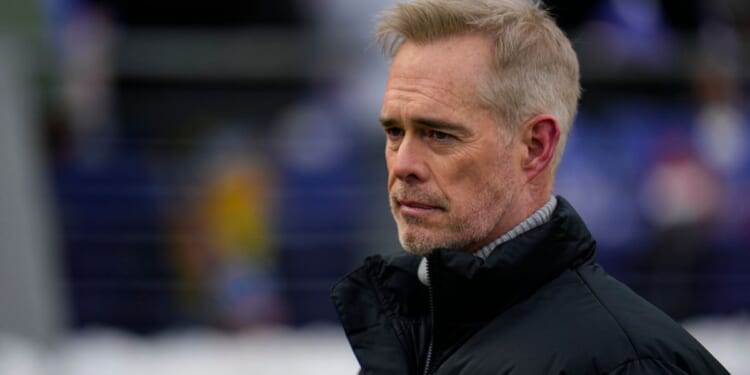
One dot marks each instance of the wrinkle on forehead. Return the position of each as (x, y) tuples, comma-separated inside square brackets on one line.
[(404, 87)]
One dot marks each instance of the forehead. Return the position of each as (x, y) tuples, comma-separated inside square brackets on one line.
[(449, 68)]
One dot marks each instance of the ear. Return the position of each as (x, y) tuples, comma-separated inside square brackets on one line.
[(539, 137)]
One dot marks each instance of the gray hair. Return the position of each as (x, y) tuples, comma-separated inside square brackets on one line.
[(534, 68)]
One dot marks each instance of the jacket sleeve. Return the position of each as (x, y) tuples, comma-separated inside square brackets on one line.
[(647, 366)]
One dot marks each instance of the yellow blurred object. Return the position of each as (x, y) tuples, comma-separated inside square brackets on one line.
[(236, 212)]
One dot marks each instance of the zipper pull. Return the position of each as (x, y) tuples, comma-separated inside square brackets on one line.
[(424, 265)]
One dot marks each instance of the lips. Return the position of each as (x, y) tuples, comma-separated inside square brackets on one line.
[(415, 209), (417, 205)]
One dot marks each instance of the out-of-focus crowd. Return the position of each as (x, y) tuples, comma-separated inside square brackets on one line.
[(219, 164)]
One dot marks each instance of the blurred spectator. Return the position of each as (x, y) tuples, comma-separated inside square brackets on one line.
[(109, 215), (222, 235), (321, 206), (722, 139), (721, 134), (681, 200)]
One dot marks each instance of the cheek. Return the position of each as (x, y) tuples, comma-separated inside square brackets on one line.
[(484, 172), (461, 179)]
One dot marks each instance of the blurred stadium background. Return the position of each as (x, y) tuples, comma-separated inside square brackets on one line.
[(182, 181)]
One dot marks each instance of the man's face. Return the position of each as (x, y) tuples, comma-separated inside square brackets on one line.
[(452, 175)]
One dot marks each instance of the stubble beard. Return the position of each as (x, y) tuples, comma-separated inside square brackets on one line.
[(420, 242), (418, 236)]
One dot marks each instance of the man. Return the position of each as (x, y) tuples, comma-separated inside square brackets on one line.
[(500, 278)]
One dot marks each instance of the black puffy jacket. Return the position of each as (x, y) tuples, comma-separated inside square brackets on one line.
[(538, 305)]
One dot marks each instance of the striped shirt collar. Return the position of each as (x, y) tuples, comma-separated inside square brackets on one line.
[(536, 219)]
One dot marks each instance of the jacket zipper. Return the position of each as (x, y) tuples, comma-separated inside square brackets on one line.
[(428, 360)]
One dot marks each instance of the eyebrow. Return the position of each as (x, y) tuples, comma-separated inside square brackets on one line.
[(431, 123)]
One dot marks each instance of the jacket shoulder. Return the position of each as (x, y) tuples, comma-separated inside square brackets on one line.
[(582, 322), (647, 366), (655, 338)]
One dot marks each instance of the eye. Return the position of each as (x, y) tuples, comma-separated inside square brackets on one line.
[(394, 132), (438, 135)]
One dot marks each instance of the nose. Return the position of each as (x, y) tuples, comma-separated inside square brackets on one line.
[(408, 162)]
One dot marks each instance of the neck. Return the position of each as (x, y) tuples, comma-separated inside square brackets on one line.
[(535, 219), (524, 205)]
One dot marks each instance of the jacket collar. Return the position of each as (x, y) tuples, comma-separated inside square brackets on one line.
[(384, 308), (467, 288), (539, 217)]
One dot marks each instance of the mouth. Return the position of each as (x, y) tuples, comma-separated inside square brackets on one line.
[(416, 208)]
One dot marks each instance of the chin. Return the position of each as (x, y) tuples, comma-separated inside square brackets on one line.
[(423, 243), (416, 243), (417, 250)]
